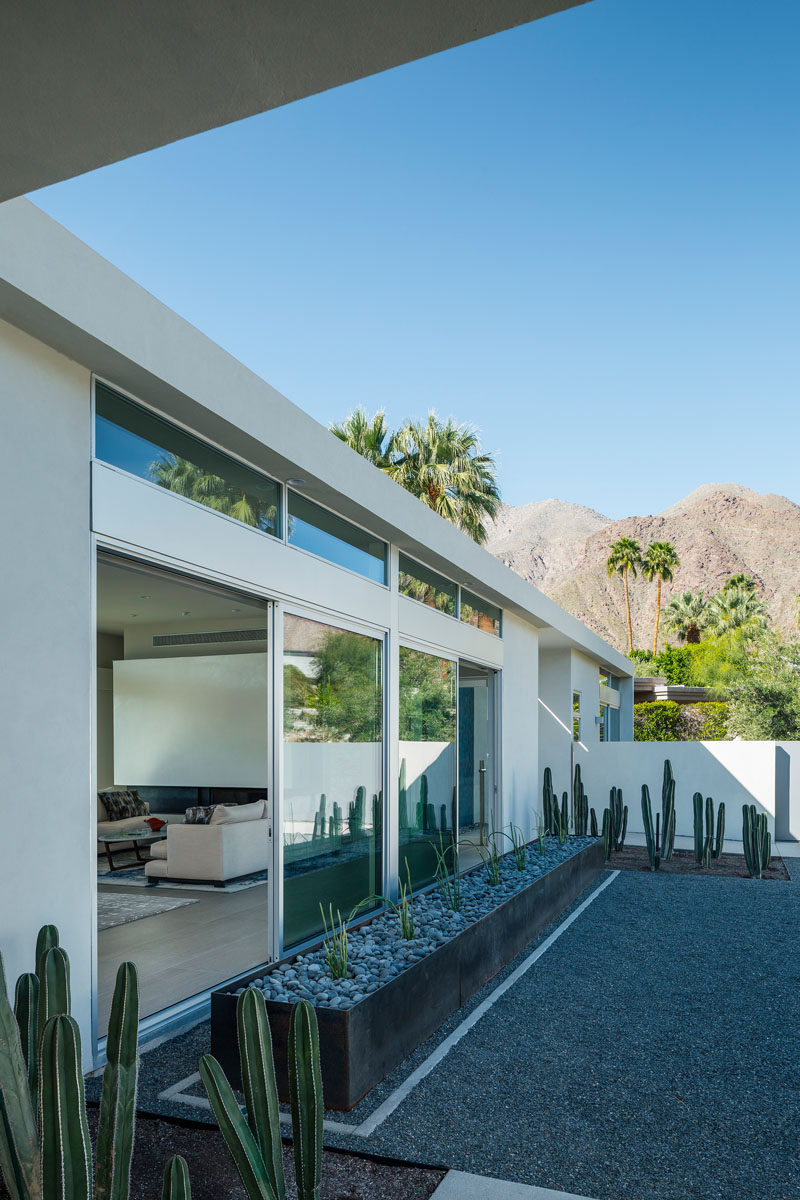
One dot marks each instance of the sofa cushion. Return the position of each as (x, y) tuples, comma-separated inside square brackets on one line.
[(159, 849), (199, 814), (224, 815), (121, 803)]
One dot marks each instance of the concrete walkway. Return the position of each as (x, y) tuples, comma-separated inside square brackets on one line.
[(458, 1185)]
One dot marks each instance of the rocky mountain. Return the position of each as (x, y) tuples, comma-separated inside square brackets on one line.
[(719, 530)]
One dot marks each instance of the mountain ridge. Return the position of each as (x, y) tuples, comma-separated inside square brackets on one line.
[(719, 529)]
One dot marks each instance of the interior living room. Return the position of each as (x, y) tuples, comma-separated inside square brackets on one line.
[(182, 726)]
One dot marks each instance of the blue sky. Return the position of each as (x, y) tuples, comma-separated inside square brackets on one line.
[(581, 236)]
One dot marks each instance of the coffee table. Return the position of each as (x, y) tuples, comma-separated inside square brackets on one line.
[(134, 837)]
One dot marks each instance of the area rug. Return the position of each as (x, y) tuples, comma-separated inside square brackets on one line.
[(113, 909), (136, 878)]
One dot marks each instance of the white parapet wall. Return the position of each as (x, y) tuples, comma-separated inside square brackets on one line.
[(737, 772)]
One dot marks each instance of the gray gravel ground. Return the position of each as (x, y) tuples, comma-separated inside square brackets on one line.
[(652, 1052)]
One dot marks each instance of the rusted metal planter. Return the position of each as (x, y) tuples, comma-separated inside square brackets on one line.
[(359, 1046)]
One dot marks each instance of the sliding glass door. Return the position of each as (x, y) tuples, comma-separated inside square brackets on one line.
[(183, 769)]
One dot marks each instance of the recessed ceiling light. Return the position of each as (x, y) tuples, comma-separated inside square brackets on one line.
[(187, 613), (236, 610), (296, 482), (144, 597), (134, 614)]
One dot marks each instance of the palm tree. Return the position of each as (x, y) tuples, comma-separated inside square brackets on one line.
[(745, 582), (368, 436), (187, 479), (439, 462), (659, 561), (443, 465), (736, 608), (624, 558), (685, 616)]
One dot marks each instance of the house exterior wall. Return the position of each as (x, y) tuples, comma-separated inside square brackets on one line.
[(555, 718), (46, 851), (70, 313)]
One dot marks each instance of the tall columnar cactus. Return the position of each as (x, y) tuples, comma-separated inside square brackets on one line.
[(26, 1003), (355, 820), (593, 823), (65, 1146), (305, 1095), (580, 804), (619, 818), (757, 840), (697, 823), (564, 820), (667, 812), (706, 846), (548, 802), (254, 1142), (720, 834), (55, 1161), (607, 835), (176, 1180), (422, 804), (649, 831), (118, 1098)]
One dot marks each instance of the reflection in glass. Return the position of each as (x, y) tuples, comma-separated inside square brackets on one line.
[(480, 613), (130, 437), (420, 583), (427, 801), (313, 528), (332, 762)]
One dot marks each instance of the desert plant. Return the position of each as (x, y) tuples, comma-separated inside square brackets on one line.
[(254, 1139), (176, 1180), (593, 823), (625, 555), (549, 802), (518, 847), (404, 910), (757, 840), (336, 943), (706, 848), (667, 812), (661, 838), (659, 561), (580, 804), (55, 1161), (619, 818), (606, 834), (449, 881), (491, 859)]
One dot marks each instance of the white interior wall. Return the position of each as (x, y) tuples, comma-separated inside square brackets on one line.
[(736, 772), (47, 852)]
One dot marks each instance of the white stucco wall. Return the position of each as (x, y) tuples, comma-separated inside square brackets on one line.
[(586, 680), (46, 851), (736, 772), (520, 725), (555, 719)]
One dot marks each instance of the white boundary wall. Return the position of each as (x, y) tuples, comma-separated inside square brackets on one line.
[(736, 772)]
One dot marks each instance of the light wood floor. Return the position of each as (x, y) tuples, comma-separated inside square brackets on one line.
[(185, 951)]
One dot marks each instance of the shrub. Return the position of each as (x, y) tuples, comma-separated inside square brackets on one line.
[(657, 721), (667, 721)]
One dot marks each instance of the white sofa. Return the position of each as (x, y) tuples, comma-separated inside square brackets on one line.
[(234, 843)]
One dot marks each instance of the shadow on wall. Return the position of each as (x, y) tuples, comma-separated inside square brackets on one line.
[(737, 772)]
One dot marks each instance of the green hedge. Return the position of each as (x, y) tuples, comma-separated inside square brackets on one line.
[(667, 721)]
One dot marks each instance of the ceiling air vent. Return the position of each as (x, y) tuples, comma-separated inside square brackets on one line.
[(208, 639)]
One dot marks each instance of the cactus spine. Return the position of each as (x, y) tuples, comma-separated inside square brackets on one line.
[(176, 1180), (118, 1100), (757, 840), (305, 1094)]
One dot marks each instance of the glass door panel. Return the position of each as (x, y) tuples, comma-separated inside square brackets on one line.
[(182, 730)]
